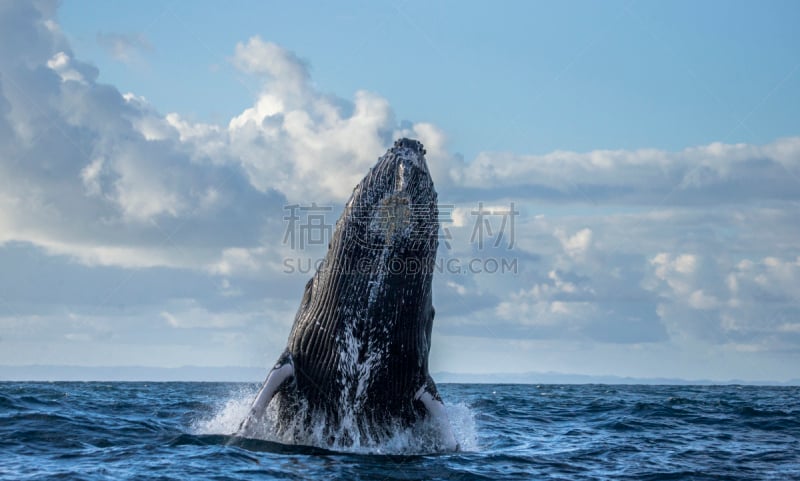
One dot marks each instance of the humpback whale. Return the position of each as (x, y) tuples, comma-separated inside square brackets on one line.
[(357, 354)]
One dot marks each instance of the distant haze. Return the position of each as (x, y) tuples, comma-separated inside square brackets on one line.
[(255, 375)]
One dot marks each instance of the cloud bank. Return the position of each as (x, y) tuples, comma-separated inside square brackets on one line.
[(638, 249)]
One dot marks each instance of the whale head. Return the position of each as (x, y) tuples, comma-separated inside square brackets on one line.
[(395, 203)]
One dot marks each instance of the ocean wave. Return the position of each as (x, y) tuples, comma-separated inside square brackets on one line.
[(105, 431)]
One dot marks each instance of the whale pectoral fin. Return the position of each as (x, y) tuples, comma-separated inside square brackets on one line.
[(436, 410), (275, 378), (279, 374)]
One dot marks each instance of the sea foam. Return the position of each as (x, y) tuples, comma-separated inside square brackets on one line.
[(420, 438)]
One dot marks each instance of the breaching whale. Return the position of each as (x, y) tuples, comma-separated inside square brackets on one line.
[(357, 354)]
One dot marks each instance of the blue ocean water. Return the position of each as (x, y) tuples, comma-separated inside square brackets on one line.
[(165, 431)]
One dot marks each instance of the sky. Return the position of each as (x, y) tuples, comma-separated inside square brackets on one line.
[(619, 181)]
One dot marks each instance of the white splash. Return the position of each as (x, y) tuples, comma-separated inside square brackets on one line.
[(421, 438), (228, 415)]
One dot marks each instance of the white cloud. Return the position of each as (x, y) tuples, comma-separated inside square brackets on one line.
[(293, 128), (700, 300), (104, 177), (727, 302), (675, 270), (697, 175), (258, 56), (577, 244), (236, 260), (60, 63), (91, 176), (460, 289), (125, 47), (187, 313)]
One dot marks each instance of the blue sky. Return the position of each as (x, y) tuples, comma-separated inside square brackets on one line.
[(527, 77), (147, 152)]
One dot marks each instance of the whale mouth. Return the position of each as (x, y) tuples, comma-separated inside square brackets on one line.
[(402, 169), (409, 154)]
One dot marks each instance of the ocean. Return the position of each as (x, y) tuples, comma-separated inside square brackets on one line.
[(181, 431)]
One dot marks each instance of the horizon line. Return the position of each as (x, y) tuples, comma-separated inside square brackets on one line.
[(244, 374)]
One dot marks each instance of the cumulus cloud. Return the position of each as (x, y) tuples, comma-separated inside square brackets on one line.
[(309, 145), (687, 276), (576, 245), (750, 304), (101, 176)]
